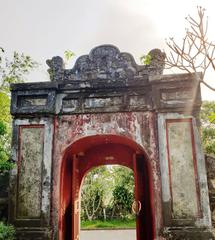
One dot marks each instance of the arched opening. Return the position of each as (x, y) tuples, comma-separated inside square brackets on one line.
[(95, 151), (107, 197)]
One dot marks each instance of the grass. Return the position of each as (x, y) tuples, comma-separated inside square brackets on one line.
[(110, 224)]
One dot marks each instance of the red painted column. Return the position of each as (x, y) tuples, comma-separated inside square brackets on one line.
[(75, 199)]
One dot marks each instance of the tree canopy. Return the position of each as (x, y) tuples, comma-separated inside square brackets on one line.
[(107, 193), (12, 70), (208, 127)]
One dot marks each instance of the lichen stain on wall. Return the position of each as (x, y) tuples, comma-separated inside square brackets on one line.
[(31, 156)]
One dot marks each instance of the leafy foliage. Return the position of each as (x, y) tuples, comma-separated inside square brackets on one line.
[(124, 177), (68, 55), (3, 128), (208, 127), (107, 193), (7, 232), (11, 71), (5, 108), (123, 199), (212, 117), (5, 164), (146, 59), (208, 109), (123, 193), (92, 192)]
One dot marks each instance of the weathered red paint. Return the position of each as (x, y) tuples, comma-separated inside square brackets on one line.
[(200, 212), (94, 151), (51, 202), (155, 186), (138, 131)]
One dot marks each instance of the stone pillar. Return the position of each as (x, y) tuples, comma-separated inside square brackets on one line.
[(30, 181)]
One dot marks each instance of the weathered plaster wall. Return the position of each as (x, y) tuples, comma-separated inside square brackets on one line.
[(182, 170), (32, 150), (184, 183), (30, 171)]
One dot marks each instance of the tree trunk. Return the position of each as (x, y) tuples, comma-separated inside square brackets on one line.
[(104, 214)]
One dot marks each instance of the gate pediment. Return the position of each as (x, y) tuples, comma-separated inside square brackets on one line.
[(105, 62), (107, 80)]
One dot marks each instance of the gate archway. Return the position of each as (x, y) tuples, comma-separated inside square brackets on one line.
[(107, 93), (94, 151)]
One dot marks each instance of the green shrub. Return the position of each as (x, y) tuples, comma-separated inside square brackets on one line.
[(122, 200), (7, 232)]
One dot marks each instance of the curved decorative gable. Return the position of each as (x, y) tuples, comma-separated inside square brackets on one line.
[(105, 62)]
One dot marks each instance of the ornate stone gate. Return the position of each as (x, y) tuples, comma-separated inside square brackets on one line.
[(108, 110)]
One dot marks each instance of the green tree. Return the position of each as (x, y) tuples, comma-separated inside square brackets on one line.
[(107, 191), (93, 192), (12, 70), (5, 165), (123, 199), (123, 193), (208, 128), (124, 176), (5, 132)]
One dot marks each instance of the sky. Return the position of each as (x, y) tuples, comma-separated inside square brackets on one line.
[(46, 28)]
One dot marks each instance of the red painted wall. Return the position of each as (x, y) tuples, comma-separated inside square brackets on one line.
[(138, 130)]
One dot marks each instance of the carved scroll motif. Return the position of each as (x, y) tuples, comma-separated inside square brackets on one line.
[(106, 62)]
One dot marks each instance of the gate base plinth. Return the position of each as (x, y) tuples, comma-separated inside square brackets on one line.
[(33, 234), (187, 233)]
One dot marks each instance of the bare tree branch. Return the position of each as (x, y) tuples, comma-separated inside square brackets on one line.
[(195, 53), (207, 85)]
